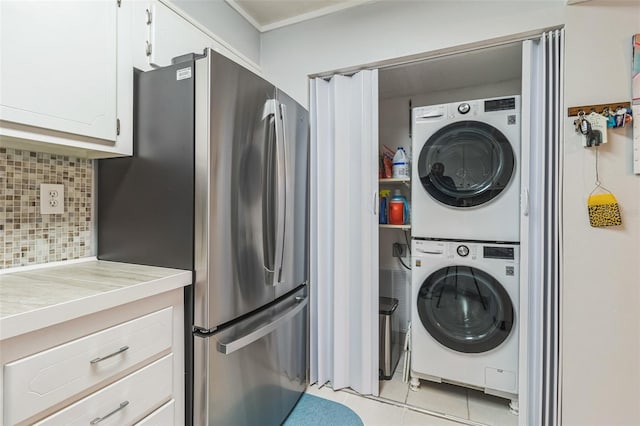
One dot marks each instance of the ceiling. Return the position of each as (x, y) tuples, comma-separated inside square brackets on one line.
[(267, 15), (474, 68)]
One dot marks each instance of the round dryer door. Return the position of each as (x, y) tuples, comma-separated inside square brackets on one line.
[(465, 309), (466, 164)]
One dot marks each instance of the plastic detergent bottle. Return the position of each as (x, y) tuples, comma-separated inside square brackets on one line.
[(400, 164), (384, 206), (398, 209)]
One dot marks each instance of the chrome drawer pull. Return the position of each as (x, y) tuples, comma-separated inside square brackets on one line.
[(119, 351), (99, 419)]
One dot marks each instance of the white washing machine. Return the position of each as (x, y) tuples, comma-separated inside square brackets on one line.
[(464, 315), (466, 170)]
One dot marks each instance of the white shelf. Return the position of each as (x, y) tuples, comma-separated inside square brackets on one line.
[(394, 180), (405, 227)]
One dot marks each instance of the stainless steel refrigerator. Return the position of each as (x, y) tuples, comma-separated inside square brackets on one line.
[(218, 185)]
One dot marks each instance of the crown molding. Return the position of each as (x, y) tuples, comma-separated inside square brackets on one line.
[(296, 19)]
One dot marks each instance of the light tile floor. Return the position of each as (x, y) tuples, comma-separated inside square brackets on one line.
[(377, 413), (434, 404)]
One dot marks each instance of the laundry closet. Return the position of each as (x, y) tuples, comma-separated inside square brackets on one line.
[(455, 275), (466, 79)]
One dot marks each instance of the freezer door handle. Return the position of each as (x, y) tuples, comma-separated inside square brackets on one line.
[(228, 348)]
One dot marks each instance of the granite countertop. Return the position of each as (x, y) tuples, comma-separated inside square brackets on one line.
[(33, 299)]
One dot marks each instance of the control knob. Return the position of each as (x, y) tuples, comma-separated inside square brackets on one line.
[(463, 250), (464, 108)]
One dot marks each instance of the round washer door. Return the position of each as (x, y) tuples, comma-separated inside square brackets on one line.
[(466, 164), (465, 309)]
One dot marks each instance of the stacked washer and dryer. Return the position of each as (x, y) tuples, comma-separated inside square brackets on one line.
[(465, 247)]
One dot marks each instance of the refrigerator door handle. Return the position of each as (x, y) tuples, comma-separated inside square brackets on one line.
[(268, 237), (281, 169), (228, 348)]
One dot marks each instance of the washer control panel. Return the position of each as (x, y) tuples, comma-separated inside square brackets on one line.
[(470, 251)]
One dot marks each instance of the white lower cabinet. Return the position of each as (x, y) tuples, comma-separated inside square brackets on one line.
[(46, 378), (123, 402), (114, 367), (163, 416)]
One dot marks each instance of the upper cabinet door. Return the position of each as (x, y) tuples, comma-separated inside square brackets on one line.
[(58, 68), (171, 35)]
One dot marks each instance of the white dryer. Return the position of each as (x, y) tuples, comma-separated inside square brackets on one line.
[(465, 299), (466, 170)]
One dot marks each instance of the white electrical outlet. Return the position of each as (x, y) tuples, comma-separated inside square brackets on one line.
[(51, 198)]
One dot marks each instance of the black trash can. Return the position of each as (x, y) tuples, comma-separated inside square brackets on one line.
[(389, 341)]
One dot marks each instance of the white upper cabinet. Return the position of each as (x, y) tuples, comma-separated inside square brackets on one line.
[(66, 76), (171, 36), (169, 33)]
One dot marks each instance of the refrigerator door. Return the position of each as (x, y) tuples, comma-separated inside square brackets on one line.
[(253, 372), (295, 137), (239, 191)]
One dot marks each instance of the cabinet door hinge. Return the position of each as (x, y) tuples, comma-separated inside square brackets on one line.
[(149, 17), (117, 127), (119, 3), (148, 49)]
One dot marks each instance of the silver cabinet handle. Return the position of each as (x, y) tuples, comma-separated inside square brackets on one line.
[(102, 358), (99, 419)]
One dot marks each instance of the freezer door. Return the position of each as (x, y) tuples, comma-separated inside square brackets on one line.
[(295, 137), (239, 190), (253, 372)]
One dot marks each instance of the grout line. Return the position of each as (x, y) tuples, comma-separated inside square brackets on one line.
[(416, 409), (446, 416)]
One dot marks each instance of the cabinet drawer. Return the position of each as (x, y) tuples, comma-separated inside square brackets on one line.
[(123, 402), (42, 380), (163, 416)]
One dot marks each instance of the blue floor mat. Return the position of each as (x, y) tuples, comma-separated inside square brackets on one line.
[(315, 411)]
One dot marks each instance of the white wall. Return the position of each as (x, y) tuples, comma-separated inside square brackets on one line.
[(223, 21), (389, 29), (601, 268), (601, 293)]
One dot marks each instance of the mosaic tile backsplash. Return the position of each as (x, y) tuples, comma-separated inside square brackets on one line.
[(28, 237)]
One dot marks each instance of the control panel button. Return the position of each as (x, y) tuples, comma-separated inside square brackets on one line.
[(463, 250), (464, 108)]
